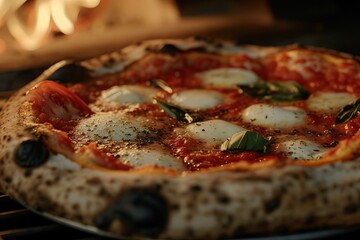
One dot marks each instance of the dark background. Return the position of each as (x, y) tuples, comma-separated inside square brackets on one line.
[(325, 23), (331, 24)]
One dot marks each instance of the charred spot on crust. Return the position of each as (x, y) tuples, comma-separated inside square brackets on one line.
[(172, 50), (8, 179), (196, 188), (7, 138), (27, 173), (94, 181), (140, 210), (31, 153), (223, 199), (272, 205), (169, 49), (70, 73)]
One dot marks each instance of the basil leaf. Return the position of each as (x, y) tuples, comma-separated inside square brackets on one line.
[(174, 111), (276, 91), (348, 112), (156, 82), (245, 141)]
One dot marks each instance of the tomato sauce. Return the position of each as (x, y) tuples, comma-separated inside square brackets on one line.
[(55, 104), (63, 108), (102, 159), (314, 73), (197, 157)]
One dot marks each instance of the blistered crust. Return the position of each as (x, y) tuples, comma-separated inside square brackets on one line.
[(225, 202)]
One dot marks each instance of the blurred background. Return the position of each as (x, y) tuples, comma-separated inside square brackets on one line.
[(37, 33)]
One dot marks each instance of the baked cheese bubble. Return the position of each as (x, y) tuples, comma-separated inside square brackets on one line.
[(227, 77), (302, 149), (110, 126), (197, 99), (329, 101), (213, 132), (129, 94), (150, 155), (276, 117)]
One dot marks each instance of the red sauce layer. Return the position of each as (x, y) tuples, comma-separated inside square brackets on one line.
[(63, 108)]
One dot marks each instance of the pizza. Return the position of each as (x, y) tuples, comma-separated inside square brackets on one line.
[(189, 139)]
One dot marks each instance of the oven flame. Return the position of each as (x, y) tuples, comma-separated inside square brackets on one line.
[(29, 22)]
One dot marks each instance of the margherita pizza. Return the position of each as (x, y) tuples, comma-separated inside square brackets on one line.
[(199, 139)]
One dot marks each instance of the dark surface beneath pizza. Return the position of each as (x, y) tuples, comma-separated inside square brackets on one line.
[(19, 223)]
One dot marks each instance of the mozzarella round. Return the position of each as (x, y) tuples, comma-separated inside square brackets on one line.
[(214, 132), (227, 77), (146, 156), (109, 126), (270, 116), (129, 94), (302, 149), (197, 99), (329, 101)]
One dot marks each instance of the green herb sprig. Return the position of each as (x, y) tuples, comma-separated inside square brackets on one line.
[(175, 111), (348, 112), (245, 141), (276, 91)]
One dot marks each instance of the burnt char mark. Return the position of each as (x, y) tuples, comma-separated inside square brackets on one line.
[(31, 153), (172, 50), (27, 173), (94, 181), (196, 188), (271, 205), (223, 199), (140, 210), (169, 49), (7, 138), (70, 73), (8, 179)]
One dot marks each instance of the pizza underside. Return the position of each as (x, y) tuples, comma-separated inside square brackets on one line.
[(189, 138)]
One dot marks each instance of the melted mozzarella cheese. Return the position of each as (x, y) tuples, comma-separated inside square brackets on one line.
[(196, 99), (59, 161), (273, 117), (112, 126), (302, 149), (146, 156), (227, 77), (213, 131), (129, 94), (329, 101)]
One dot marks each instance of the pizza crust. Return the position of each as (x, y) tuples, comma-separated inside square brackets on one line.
[(230, 201)]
